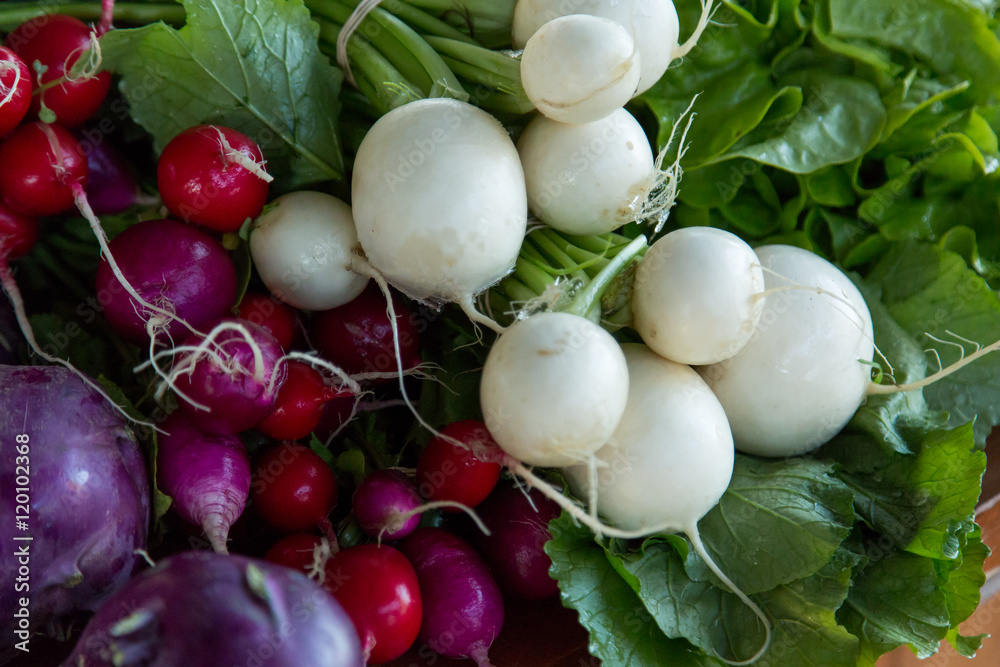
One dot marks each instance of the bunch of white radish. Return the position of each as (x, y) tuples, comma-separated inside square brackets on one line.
[(588, 167)]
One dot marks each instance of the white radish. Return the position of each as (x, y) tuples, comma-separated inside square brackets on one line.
[(439, 201), (669, 460), (653, 25), (807, 368), (697, 295), (302, 245), (553, 389), (589, 178), (580, 68)]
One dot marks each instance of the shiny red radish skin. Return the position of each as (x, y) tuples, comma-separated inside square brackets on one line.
[(206, 474), (515, 547), (463, 607), (293, 489), (378, 588), (381, 499), (170, 264), (237, 391), (299, 406), (57, 41), (273, 315), (18, 234), (357, 336), (200, 184), (38, 166), (15, 90), (446, 471)]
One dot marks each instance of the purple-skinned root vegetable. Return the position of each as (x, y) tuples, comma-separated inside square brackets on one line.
[(173, 266), (73, 480), (518, 520), (201, 609), (463, 607), (385, 505), (228, 380), (206, 474), (111, 185)]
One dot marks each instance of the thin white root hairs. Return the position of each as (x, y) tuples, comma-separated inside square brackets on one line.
[(659, 193), (230, 154)]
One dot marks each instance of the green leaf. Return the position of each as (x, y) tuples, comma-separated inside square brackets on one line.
[(778, 521), (931, 292), (922, 503), (622, 633), (254, 66)]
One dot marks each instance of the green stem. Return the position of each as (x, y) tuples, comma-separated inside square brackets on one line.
[(487, 21), (533, 277), (13, 14), (419, 20), (492, 69), (377, 79), (400, 45), (589, 297), (562, 260), (590, 262)]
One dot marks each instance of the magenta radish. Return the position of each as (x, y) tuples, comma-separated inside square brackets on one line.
[(175, 267), (203, 609), (465, 474), (228, 379), (206, 474), (518, 520), (293, 489), (463, 607), (212, 176), (15, 90), (89, 498), (39, 165), (70, 90), (379, 590), (111, 185), (302, 247), (357, 336), (386, 505)]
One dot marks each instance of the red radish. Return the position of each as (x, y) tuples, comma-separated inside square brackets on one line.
[(446, 471), (299, 405), (293, 489), (18, 234), (57, 42), (228, 380), (206, 474), (378, 588), (39, 164), (212, 176), (357, 336), (175, 267), (111, 186), (463, 608), (273, 315), (337, 413), (383, 503), (15, 90), (518, 520)]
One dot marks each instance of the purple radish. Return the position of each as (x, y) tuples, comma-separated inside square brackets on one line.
[(515, 547), (206, 474), (228, 380), (463, 608), (173, 266), (111, 187), (73, 479), (201, 609), (383, 503)]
